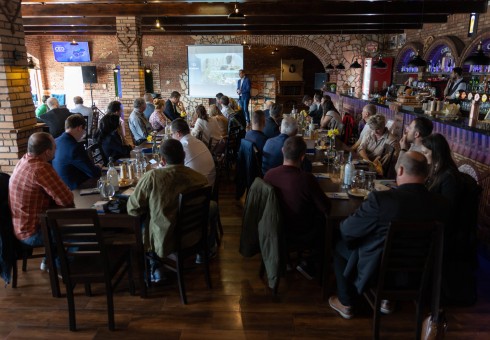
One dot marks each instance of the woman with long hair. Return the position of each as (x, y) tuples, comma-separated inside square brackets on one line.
[(215, 112), (462, 192), (331, 117), (205, 126), (157, 118), (107, 136)]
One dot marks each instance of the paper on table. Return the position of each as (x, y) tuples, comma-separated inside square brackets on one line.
[(321, 175), (337, 195), (317, 164)]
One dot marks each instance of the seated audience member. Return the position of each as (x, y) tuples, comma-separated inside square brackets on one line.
[(115, 108), (314, 107), (238, 113), (43, 108), (156, 196), (272, 152), (150, 107), (171, 104), (368, 110), (215, 112), (267, 106), (139, 126), (359, 249), (462, 192), (273, 123), (331, 118), (157, 118), (303, 202), (218, 100), (206, 125), (109, 139), (226, 110), (197, 154), (82, 109), (371, 148), (256, 135), (55, 117), (419, 128), (71, 161), (36, 187)]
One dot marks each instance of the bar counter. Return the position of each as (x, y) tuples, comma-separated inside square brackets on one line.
[(470, 146)]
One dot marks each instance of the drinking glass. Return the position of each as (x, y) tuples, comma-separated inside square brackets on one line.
[(106, 189), (370, 177), (359, 180), (339, 160)]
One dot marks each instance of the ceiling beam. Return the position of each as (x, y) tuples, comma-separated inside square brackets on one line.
[(272, 9)]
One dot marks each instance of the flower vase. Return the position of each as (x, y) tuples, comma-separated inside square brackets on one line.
[(331, 152)]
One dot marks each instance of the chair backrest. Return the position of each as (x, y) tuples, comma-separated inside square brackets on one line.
[(387, 161), (192, 218), (412, 252), (233, 140), (96, 154), (248, 166), (77, 234)]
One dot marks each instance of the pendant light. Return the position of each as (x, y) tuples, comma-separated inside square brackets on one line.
[(329, 67), (478, 58), (236, 14), (417, 61), (355, 64), (380, 63), (340, 66)]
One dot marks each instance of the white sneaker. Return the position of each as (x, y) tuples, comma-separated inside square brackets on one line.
[(43, 266)]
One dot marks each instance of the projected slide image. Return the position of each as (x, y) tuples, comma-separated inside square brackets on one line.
[(214, 69)]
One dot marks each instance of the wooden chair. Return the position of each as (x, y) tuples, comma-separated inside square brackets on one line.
[(388, 161), (191, 233), (412, 254), (96, 154), (215, 198), (218, 151), (232, 145), (86, 256)]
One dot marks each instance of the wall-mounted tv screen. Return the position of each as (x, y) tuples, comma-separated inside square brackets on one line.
[(64, 51)]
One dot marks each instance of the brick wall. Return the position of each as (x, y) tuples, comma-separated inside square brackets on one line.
[(17, 119)]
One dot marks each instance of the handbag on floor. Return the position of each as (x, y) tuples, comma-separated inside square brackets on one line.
[(434, 328)]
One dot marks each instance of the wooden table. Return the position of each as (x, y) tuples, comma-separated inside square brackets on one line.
[(341, 209), (121, 225)]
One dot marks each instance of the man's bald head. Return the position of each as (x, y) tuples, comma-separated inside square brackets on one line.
[(39, 142), (412, 168)]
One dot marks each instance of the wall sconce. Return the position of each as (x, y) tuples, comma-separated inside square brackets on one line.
[(147, 70), (30, 63), (115, 69), (74, 43)]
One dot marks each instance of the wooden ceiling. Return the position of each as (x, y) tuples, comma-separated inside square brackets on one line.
[(262, 17)]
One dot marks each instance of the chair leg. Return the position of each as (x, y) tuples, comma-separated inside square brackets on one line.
[(110, 307), (206, 272), (376, 318), (71, 307), (418, 320), (132, 289), (88, 289), (14, 274), (25, 256), (180, 279)]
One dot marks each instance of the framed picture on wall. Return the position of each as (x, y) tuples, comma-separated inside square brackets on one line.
[(401, 40), (392, 42)]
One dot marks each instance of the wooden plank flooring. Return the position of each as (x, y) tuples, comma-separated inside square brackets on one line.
[(238, 307)]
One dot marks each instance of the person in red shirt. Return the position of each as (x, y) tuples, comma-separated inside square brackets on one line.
[(35, 187)]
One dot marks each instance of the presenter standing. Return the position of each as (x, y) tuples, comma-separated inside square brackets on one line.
[(243, 90)]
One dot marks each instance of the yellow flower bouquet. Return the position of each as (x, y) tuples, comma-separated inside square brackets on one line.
[(332, 133)]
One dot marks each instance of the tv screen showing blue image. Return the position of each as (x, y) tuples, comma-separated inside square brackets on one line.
[(64, 51)]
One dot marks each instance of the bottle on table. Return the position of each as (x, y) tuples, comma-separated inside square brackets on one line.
[(348, 170), (112, 175)]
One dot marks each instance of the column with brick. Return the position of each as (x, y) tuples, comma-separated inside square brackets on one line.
[(130, 57), (17, 117)]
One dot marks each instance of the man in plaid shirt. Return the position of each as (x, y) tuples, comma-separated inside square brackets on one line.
[(35, 187)]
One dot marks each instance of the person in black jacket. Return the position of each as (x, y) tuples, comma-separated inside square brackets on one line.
[(55, 118), (109, 139), (171, 104), (358, 252), (273, 123)]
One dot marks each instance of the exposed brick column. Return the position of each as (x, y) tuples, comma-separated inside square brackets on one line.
[(17, 118), (130, 57)]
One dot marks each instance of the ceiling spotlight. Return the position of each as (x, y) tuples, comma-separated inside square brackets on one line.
[(272, 53), (276, 50), (157, 23), (236, 14), (74, 43), (244, 42)]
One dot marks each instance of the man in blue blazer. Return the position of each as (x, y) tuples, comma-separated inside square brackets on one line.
[(71, 161), (272, 153), (243, 89), (358, 252)]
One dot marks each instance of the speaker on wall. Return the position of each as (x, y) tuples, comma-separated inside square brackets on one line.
[(89, 74)]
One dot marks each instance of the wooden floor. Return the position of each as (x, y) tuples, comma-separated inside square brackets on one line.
[(238, 306)]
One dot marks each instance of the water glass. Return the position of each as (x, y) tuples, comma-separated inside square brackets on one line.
[(358, 180), (370, 177), (339, 160), (106, 189)]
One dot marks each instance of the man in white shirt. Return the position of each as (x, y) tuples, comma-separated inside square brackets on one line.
[(197, 155), (226, 110), (83, 110)]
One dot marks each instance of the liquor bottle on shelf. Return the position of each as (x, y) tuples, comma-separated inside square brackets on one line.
[(430, 68)]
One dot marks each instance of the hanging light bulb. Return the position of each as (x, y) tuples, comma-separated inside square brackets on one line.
[(157, 23), (74, 42)]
